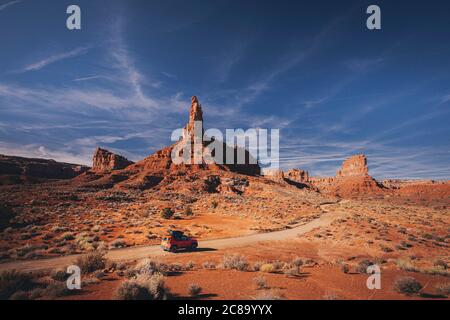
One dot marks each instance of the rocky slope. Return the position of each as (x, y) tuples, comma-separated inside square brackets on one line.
[(18, 170), (105, 161)]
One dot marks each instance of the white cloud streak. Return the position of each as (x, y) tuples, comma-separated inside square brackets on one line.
[(8, 4), (54, 58)]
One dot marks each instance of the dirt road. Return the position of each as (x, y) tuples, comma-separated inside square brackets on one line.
[(136, 253)]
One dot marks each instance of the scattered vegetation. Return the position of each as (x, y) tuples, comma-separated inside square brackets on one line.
[(14, 281), (408, 286), (443, 289), (208, 265), (167, 213), (234, 261), (260, 282), (91, 262), (269, 295), (194, 290), (143, 287)]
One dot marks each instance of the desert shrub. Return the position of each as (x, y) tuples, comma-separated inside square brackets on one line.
[(268, 295), (194, 290), (406, 265), (362, 266), (144, 287), (297, 262), (214, 204), (345, 268), (260, 282), (235, 261), (268, 268), (407, 285), (188, 211), (189, 265), (36, 293), (443, 288), (175, 267), (67, 236), (257, 265), (292, 271), (278, 265), (440, 263), (330, 296), (91, 262), (118, 243), (149, 267), (14, 281), (20, 295), (208, 265), (99, 274), (167, 213), (56, 289), (59, 275)]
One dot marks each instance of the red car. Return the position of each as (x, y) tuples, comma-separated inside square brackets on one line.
[(177, 240)]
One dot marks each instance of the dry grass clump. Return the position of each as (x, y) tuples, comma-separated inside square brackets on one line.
[(269, 295), (209, 265), (268, 268), (143, 287), (443, 289), (234, 261), (14, 281), (260, 282), (150, 266), (91, 262), (194, 289)]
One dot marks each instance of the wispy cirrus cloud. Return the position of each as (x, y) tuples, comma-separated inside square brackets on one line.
[(8, 4), (54, 58)]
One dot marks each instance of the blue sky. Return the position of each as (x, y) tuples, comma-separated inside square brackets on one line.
[(309, 68)]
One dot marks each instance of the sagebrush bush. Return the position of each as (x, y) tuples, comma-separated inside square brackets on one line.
[(13, 281), (144, 287), (297, 262), (188, 211), (150, 266), (91, 262), (443, 288), (408, 286), (208, 265), (235, 261), (268, 295), (56, 289), (260, 282), (345, 268), (59, 275), (167, 213), (362, 266), (194, 290)]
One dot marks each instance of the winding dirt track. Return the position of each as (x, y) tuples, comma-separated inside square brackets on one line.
[(136, 253)]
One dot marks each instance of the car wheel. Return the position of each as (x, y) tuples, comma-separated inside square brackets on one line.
[(194, 246), (173, 248)]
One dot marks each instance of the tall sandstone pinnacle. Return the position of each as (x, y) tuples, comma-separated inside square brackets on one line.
[(195, 115)]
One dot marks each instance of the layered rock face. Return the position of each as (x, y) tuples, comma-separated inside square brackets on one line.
[(351, 180), (355, 166), (16, 170), (297, 175), (104, 161)]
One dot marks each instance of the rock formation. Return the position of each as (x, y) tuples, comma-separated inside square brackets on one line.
[(297, 175), (104, 161), (15, 170), (353, 167), (351, 180)]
